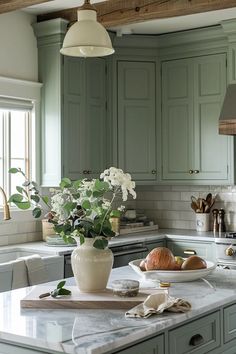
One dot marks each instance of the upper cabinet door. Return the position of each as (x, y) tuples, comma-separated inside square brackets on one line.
[(192, 94), (84, 121), (177, 119), (211, 149), (96, 116), (137, 119)]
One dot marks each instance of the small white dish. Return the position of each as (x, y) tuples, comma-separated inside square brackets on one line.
[(172, 276)]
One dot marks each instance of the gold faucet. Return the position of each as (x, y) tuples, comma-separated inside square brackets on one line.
[(6, 210)]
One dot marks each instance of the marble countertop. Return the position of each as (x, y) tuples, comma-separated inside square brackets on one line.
[(187, 235), (102, 331)]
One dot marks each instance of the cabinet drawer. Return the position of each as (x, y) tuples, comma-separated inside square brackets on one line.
[(151, 346), (204, 250), (229, 323), (198, 337)]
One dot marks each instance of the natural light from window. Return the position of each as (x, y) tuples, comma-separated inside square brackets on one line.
[(15, 146)]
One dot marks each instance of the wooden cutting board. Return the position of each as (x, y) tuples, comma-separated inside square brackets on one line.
[(78, 300)]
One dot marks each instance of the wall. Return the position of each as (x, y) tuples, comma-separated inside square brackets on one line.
[(169, 206), (18, 54), (18, 60)]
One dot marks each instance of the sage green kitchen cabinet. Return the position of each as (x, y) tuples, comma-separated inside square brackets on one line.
[(206, 250), (136, 118), (192, 94), (84, 118), (151, 346), (200, 336), (73, 111)]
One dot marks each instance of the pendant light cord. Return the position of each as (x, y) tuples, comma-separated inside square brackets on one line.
[(88, 6)]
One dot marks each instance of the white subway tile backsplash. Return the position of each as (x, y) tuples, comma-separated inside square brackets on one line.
[(170, 206)]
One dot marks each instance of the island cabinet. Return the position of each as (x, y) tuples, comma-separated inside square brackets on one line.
[(136, 118), (73, 111), (183, 248), (151, 346), (200, 336), (192, 94)]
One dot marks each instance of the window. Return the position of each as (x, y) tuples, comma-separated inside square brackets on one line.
[(15, 142)]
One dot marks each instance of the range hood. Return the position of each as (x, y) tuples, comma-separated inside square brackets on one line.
[(227, 121)]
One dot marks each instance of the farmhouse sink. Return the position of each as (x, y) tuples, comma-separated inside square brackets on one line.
[(14, 253), (54, 265)]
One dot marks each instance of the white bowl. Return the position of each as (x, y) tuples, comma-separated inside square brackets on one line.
[(172, 276)]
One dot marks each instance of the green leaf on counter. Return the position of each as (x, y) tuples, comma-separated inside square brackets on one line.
[(61, 284), (60, 290)]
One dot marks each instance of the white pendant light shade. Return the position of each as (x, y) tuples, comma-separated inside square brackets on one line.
[(87, 37)]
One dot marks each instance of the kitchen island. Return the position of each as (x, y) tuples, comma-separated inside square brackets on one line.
[(210, 324)]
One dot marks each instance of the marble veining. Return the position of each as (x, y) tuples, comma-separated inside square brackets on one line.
[(100, 331)]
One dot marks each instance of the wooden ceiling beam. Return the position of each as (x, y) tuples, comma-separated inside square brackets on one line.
[(12, 5), (120, 12)]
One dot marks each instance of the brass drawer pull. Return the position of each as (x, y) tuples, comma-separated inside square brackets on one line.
[(154, 172), (196, 340), (190, 172), (190, 252), (230, 251), (85, 172), (196, 172)]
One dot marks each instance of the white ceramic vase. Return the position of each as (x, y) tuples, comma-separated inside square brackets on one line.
[(91, 266)]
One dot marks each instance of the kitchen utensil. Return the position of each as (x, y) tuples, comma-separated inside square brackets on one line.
[(194, 203)]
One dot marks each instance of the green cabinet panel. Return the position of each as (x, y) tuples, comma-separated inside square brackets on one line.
[(73, 111), (136, 119), (198, 337), (206, 250), (151, 346), (84, 121), (192, 94), (177, 119), (229, 323)]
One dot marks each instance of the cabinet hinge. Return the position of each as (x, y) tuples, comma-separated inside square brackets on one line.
[(226, 62)]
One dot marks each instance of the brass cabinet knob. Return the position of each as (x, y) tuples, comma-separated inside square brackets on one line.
[(196, 171), (230, 251), (154, 172), (191, 252), (190, 172)]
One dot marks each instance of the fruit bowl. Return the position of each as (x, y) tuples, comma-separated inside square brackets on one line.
[(172, 276)]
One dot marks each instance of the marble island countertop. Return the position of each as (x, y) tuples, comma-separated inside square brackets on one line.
[(187, 235), (106, 331)]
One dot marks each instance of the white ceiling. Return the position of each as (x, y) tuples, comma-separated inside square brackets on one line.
[(159, 26)]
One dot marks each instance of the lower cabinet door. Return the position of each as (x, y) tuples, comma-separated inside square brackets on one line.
[(12, 349), (199, 337), (230, 323), (151, 346), (206, 250)]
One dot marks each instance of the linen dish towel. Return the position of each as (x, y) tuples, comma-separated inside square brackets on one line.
[(156, 304), (19, 274), (36, 269)]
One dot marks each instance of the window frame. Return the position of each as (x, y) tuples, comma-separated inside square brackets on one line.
[(29, 91)]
